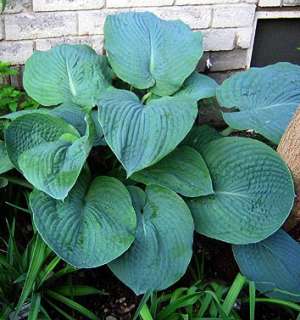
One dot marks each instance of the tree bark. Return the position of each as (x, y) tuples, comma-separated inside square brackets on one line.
[(289, 149)]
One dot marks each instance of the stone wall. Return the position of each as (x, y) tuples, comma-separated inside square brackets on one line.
[(228, 26)]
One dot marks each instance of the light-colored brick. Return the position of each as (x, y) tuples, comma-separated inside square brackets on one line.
[(291, 2), (269, 3), (197, 17), (15, 52), (17, 6), (40, 25), (244, 37), (241, 15), (202, 2), (96, 42), (137, 3), (92, 22), (228, 60), (57, 5), (1, 28), (218, 39)]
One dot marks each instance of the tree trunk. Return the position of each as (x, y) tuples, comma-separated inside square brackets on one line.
[(289, 149)]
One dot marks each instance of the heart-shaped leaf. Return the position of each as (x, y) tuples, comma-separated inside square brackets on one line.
[(95, 224), (74, 115), (67, 73), (140, 135), (273, 264), (183, 171), (254, 192), (266, 99), (162, 249), (49, 152), (148, 52), (99, 135), (5, 163), (14, 115), (198, 86), (200, 136)]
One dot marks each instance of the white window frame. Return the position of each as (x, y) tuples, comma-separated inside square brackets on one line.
[(283, 13)]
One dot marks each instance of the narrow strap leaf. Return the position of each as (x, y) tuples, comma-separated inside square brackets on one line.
[(35, 307), (233, 293), (184, 301), (252, 294), (45, 313), (280, 302), (59, 310), (62, 272), (78, 290), (145, 313), (48, 269), (37, 259), (144, 301), (72, 304), (205, 303), (17, 207)]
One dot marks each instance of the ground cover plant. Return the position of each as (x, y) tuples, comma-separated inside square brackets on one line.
[(28, 282), (11, 98), (165, 177)]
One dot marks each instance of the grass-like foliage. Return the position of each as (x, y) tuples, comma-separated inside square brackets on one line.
[(29, 278)]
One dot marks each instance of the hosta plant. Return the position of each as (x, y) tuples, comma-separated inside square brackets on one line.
[(169, 177)]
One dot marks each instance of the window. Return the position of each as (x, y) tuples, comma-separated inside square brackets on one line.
[(276, 40)]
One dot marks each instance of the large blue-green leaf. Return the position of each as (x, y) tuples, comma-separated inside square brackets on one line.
[(14, 115), (266, 99), (95, 224), (148, 52), (162, 249), (183, 171), (99, 135), (140, 135), (5, 163), (67, 73), (200, 136), (72, 114), (198, 86), (273, 264), (75, 116), (254, 192), (48, 151)]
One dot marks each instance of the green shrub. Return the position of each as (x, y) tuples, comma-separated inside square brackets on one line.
[(12, 99), (170, 177)]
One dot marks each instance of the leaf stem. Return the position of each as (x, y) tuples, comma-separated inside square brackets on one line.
[(18, 181), (146, 96), (145, 313), (226, 132)]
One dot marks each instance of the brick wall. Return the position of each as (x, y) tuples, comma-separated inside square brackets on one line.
[(227, 25)]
